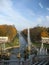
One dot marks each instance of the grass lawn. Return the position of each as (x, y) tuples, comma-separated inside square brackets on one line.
[(39, 44), (13, 43)]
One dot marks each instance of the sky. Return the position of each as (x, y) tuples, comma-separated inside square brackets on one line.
[(24, 13)]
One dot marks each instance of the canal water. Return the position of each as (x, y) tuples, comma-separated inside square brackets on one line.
[(15, 51)]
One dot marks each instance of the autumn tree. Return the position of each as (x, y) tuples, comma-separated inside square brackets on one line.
[(8, 30), (44, 33)]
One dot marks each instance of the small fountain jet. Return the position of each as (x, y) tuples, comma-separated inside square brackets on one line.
[(42, 51)]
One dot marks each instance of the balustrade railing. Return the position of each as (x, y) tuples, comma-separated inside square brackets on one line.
[(43, 61)]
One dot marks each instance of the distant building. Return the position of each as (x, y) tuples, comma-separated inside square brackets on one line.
[(45, 40)]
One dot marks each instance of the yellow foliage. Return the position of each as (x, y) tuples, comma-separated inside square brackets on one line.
[(8, 30), (44, 34)]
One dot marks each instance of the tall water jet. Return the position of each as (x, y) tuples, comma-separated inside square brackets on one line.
[(29, 43)]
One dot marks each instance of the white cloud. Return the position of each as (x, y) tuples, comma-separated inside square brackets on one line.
[(39, 20), (45, 22), (9, 16), (47, 9), (47, 18), (40, 5), (30, 12)]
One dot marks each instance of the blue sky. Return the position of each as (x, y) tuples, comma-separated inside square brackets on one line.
[(24, 13)]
